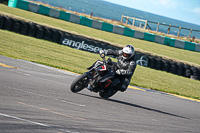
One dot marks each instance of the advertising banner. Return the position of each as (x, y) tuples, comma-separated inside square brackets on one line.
[(85, 44), (93, 46)]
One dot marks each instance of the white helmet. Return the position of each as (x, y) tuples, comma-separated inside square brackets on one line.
[(128, 52)]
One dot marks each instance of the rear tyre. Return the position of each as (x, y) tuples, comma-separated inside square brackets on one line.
[(79, 83), (107, 94)]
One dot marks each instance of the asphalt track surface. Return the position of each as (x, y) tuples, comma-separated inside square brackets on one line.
[(37, 99)]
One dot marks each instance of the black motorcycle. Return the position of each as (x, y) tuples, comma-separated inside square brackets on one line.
[(101, 76)]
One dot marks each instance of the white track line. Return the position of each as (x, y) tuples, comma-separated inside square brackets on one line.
[(37, 123)]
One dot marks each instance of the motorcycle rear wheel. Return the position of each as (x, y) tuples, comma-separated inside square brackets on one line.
[(79, 83)]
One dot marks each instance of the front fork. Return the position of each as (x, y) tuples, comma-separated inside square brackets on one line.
[(94, 78), (91, 76)]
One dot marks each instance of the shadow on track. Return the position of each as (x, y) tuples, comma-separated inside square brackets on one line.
[(135, 105)]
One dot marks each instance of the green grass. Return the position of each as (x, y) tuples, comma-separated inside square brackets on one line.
[(175, 53), (63, 57)]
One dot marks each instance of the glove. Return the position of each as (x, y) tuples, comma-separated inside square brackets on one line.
[(101, 52), (121, 72)]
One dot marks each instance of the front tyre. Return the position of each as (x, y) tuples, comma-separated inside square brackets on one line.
[(79, 83)]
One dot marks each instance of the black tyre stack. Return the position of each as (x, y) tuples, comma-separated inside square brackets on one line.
[(172, 67), (4, 2), (179, 69), (24, 28), (137, 55), (151, 62), (16, 26), (2, 21), (195, 73), (8, 23), (56, 35), (186, 71), (39, 31), (32, 29), (158, 63), (165, 65), (48, 33)]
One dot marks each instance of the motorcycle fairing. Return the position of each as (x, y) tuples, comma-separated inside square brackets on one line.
[(95, 65)]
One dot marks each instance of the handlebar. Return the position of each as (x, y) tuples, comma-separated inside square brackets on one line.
[(109, 62)]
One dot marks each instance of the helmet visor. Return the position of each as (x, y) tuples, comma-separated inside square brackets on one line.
[(126, 55)]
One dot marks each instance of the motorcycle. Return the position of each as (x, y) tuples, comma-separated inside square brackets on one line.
[(101, 76)]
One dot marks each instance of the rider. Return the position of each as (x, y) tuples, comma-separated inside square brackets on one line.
[(125, 65)]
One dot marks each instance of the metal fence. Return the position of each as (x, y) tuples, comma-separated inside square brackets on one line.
[(132, 21)]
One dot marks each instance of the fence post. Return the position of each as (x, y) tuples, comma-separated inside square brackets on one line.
[(168, 29), (145, 26), (126, 19), (157, 27), (190, 33), (133, 21), (140, 25), (179, 31), (122, 18)]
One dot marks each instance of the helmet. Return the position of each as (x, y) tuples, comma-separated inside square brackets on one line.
[(128, 52)]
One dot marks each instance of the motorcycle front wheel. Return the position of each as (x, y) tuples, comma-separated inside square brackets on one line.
[(79, 83)]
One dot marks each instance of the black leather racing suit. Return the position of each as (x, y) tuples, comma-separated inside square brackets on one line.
[(126, 65)]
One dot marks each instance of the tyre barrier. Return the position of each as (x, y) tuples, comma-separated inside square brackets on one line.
[(151, 62), (39, 31), (172, 68), (179, 69), (165, 65), (8, 24), (47, 34), (32, 29), (4, 2), (186, 71), (195, 73), (55, 35), (24, 28), (195, 77), (2, 21), (16, 26), (158, 63)]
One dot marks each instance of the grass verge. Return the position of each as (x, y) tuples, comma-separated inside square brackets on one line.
[(63, 57), (175, 53)]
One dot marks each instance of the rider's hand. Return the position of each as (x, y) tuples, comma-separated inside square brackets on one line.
[(101, 52), (121, 72), (118, 72)]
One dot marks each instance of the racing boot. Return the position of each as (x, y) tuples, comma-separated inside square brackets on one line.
[(89, 87)]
